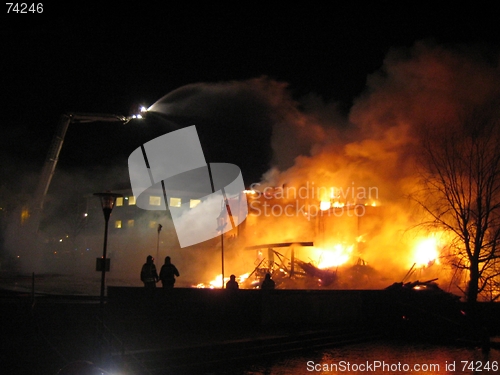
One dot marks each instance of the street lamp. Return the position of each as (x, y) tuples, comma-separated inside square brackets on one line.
[(221, 222), (225, 213), (107, 202)]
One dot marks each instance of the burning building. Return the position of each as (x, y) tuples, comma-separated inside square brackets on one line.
[(322, 237)]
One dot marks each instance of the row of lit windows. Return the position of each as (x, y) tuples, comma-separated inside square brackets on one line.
[(119, 224), (130, 200), (156, 201), (173, 202)]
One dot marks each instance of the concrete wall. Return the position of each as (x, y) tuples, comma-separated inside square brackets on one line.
[(306, 308)]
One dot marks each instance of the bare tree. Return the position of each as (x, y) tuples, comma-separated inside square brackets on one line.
[(460, 191)]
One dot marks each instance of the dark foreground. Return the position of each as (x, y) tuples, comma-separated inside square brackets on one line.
[(202, 330)]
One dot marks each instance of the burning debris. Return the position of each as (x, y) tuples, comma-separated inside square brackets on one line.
[(289, 271), (429, 286)]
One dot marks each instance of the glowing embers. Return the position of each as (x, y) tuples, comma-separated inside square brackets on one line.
[(216, 283)]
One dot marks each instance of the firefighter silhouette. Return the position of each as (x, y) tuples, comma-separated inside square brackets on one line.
[(232, 284), (268, 283), (149, 276), (168, 272)]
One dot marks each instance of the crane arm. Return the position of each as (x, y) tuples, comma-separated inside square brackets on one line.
[(50, 164)]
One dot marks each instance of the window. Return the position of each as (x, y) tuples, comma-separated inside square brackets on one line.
[(175, 202), (194, 202), (130, 223), (154, 200), (152, 224), (118, 224), (119, 201), (131, 200)]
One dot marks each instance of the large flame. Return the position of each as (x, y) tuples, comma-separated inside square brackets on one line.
[(426, 252), (334, 256), (325, 205)]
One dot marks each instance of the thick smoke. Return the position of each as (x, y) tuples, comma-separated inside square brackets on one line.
[(425, 88)]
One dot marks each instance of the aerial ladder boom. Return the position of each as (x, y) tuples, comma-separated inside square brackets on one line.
[(50, 164)]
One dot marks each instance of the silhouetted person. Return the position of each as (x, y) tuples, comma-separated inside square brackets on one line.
[(149, 276), (232, 284), (168, 273), (268, 283)]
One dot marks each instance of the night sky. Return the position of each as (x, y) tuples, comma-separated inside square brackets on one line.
[(80, 57)]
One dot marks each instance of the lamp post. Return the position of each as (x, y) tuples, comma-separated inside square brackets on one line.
[(221, 225), (108, 200)]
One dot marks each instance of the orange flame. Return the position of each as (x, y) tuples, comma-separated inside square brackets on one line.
[(324, 205), (217, 281), (426, 252), (333, 257)]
